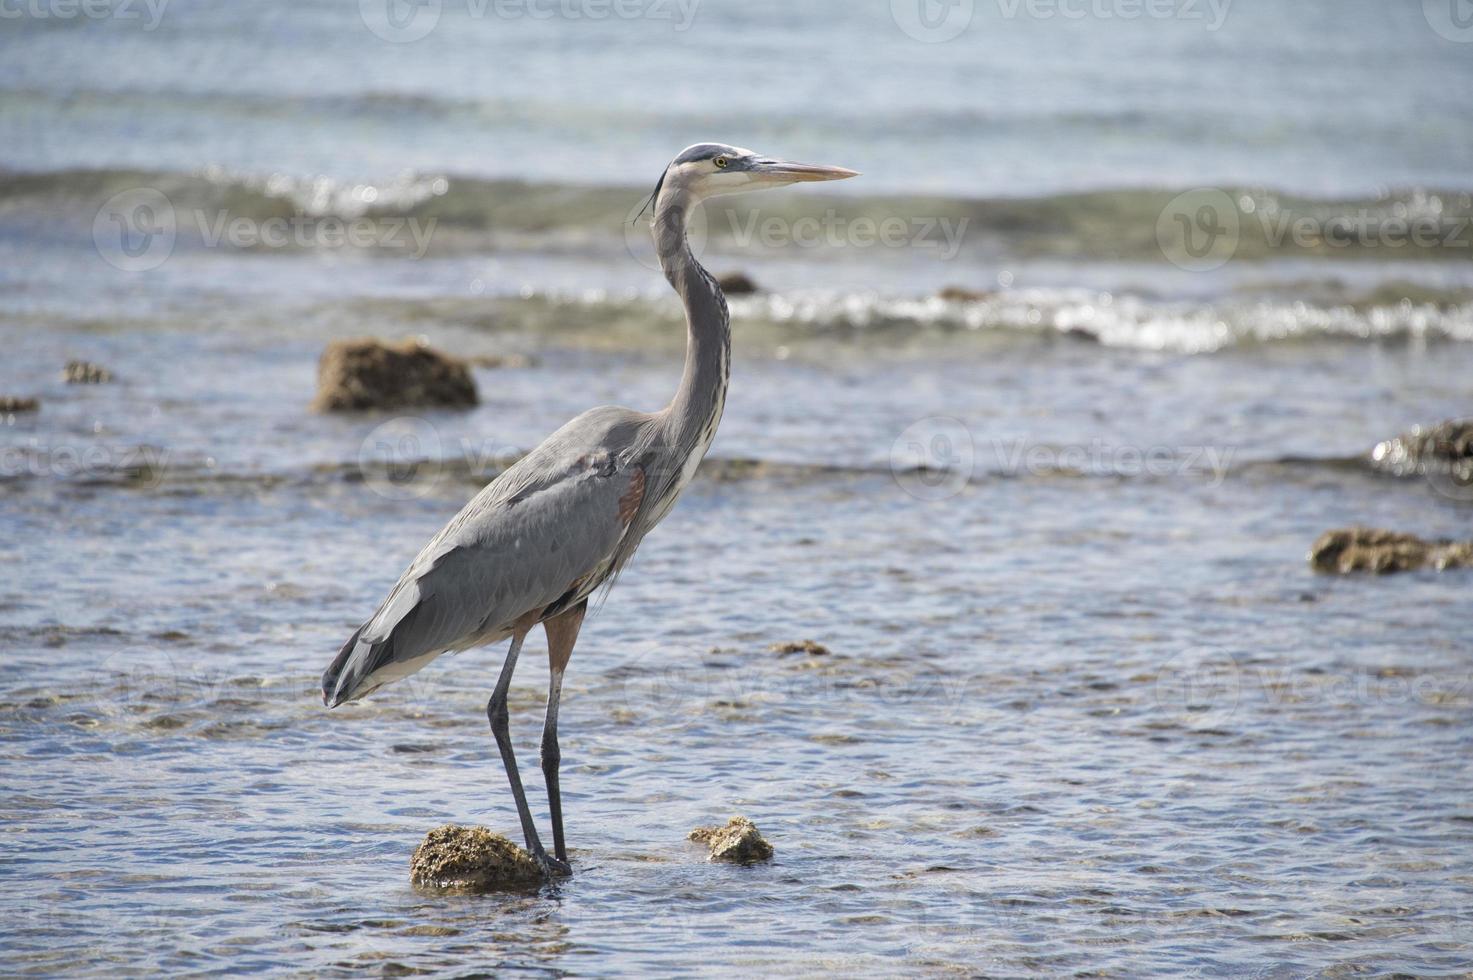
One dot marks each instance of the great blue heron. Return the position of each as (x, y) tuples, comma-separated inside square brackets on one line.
[(540, 538)]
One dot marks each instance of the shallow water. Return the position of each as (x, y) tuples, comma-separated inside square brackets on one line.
[(1086, 708), (1082, 713)]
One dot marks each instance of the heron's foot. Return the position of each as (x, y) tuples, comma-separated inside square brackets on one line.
[(551, 866)]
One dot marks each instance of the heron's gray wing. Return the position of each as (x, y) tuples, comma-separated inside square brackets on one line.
[(548, 525)]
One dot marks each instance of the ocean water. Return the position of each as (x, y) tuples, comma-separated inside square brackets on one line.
[(1032, 427)]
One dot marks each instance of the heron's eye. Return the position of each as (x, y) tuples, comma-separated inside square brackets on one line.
[(720, 163)]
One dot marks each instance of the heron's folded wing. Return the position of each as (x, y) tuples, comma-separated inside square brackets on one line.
[(505, 556)]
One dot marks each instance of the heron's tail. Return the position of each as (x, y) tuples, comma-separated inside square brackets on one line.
[(345, 676)]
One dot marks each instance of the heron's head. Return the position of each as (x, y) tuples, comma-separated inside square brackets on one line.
[(711, 169)]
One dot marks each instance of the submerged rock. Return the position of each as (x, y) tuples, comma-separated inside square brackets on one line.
[(737, 284), (1442, 446), (470, 861), (1365, 549), (739, 841), (958, 294), (10, 404), (810, 647), (354, 375), (85, 373), (501, 361)]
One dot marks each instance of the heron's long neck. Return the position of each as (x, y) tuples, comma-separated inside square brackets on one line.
[(691, 418)]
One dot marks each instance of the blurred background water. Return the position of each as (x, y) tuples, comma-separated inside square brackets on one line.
[(1140, 285)]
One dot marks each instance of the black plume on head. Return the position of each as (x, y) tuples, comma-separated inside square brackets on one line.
[(653, 197)]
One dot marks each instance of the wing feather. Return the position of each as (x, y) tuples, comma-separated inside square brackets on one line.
[(551, 521)]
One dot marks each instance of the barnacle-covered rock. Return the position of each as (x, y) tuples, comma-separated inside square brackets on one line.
[(737, 284), (471, 861), (85, 373), (739, 841), (355, 375), (1365, 549)]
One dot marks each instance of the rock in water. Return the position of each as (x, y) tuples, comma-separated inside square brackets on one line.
[(85, 373), (959, 294), (736, 284), (1366, 549), (354, 375), (1443, 453), (811, 647), (470, 861), (739, 841)]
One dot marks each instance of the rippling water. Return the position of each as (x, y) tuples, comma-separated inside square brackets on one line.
[(1086, 709), (1081, 713)]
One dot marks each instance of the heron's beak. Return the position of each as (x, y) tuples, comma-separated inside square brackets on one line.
[(781, 171)]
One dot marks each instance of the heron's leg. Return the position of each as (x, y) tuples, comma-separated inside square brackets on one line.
[(500, 720), (562, 633)]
